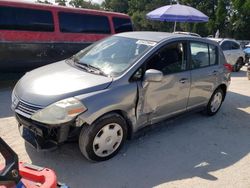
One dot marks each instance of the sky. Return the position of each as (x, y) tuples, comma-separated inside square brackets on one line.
[(95, 1)]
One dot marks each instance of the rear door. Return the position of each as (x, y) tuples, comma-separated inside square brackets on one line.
[(204, 72), (158, 100)]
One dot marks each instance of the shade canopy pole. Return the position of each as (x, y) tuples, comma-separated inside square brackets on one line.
[(174, 26)]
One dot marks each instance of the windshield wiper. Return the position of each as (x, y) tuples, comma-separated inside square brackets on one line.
[(89, 68), (97, 69)]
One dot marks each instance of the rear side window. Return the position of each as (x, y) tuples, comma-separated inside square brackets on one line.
[(12, 18), (83, 23), (122, 24), (203, 55), (199, 55)]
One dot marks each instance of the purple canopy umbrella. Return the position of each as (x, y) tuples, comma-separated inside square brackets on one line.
[(177, 13)]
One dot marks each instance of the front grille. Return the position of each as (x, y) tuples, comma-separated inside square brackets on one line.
[(26, 109)]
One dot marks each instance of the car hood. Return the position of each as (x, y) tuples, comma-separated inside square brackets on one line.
[(57, 81)]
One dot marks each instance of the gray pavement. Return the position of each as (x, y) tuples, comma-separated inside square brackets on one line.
[(191, 151)]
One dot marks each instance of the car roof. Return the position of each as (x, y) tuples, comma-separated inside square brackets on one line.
[(152, 36), (187, 33), (216, 39), (222, 39), (162, 36)]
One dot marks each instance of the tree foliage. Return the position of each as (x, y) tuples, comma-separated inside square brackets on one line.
[(84, 4), (43, 1), (61, 2), (116, 5)]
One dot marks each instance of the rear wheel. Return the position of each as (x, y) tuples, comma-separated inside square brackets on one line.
[(103, 139), (215, 102)]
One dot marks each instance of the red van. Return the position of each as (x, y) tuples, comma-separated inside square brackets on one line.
[(32, 35)]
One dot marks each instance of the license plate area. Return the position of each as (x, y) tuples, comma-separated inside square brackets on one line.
[(35, 130)]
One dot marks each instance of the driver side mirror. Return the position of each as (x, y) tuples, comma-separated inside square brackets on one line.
[(153, 75)]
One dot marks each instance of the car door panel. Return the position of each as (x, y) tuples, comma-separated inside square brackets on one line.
[(203, 84), (204, 73), (158, 100), (163, 99)]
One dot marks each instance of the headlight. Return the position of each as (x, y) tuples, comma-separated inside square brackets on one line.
[(60, 112)]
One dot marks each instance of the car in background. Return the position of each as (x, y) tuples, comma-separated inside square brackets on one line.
[(33, 34), (110, 90), (233, 52)]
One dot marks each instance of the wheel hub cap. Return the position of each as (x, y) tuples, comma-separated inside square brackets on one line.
[(216, 102), (108, 139)]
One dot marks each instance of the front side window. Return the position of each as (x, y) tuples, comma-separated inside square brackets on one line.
[(25, 19), (113, 55), (199, 55), (170, 59), (83, 23), (122, 24)]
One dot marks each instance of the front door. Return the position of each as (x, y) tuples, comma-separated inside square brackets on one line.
[(158, 100)]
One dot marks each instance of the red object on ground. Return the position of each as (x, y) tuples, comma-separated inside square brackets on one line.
[(34, 176)]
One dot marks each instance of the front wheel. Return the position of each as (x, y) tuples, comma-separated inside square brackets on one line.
[(215, 102), (104, 138)]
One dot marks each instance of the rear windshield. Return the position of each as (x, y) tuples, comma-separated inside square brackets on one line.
[(83, 23), (12, 18), (122, 24)]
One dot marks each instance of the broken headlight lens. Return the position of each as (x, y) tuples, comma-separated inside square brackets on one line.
[(60, 112)]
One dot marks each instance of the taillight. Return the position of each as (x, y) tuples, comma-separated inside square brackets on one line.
[(229, 67)]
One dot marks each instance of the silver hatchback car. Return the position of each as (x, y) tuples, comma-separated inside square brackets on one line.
[(113, 88)]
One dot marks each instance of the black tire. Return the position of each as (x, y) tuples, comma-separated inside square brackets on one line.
[(89, 133), (209, 110), (238, 65)]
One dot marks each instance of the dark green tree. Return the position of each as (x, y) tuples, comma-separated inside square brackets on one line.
[(84, 4), (44, 2), (138, 10), (222, 17), (61, 2), (240, 19), (116, 5)]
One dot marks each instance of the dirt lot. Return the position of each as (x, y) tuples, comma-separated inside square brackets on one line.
[(191, 151)]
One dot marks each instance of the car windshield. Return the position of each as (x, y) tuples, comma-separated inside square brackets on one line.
[(113, 55)]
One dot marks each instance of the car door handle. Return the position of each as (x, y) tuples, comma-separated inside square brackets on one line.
[(183, 80)]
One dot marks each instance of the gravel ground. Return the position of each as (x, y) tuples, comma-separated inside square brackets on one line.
[(190, 151)]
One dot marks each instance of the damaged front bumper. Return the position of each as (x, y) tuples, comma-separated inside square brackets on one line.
[(44, 137)]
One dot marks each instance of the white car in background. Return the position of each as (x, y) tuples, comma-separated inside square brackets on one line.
[(233, 52)]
